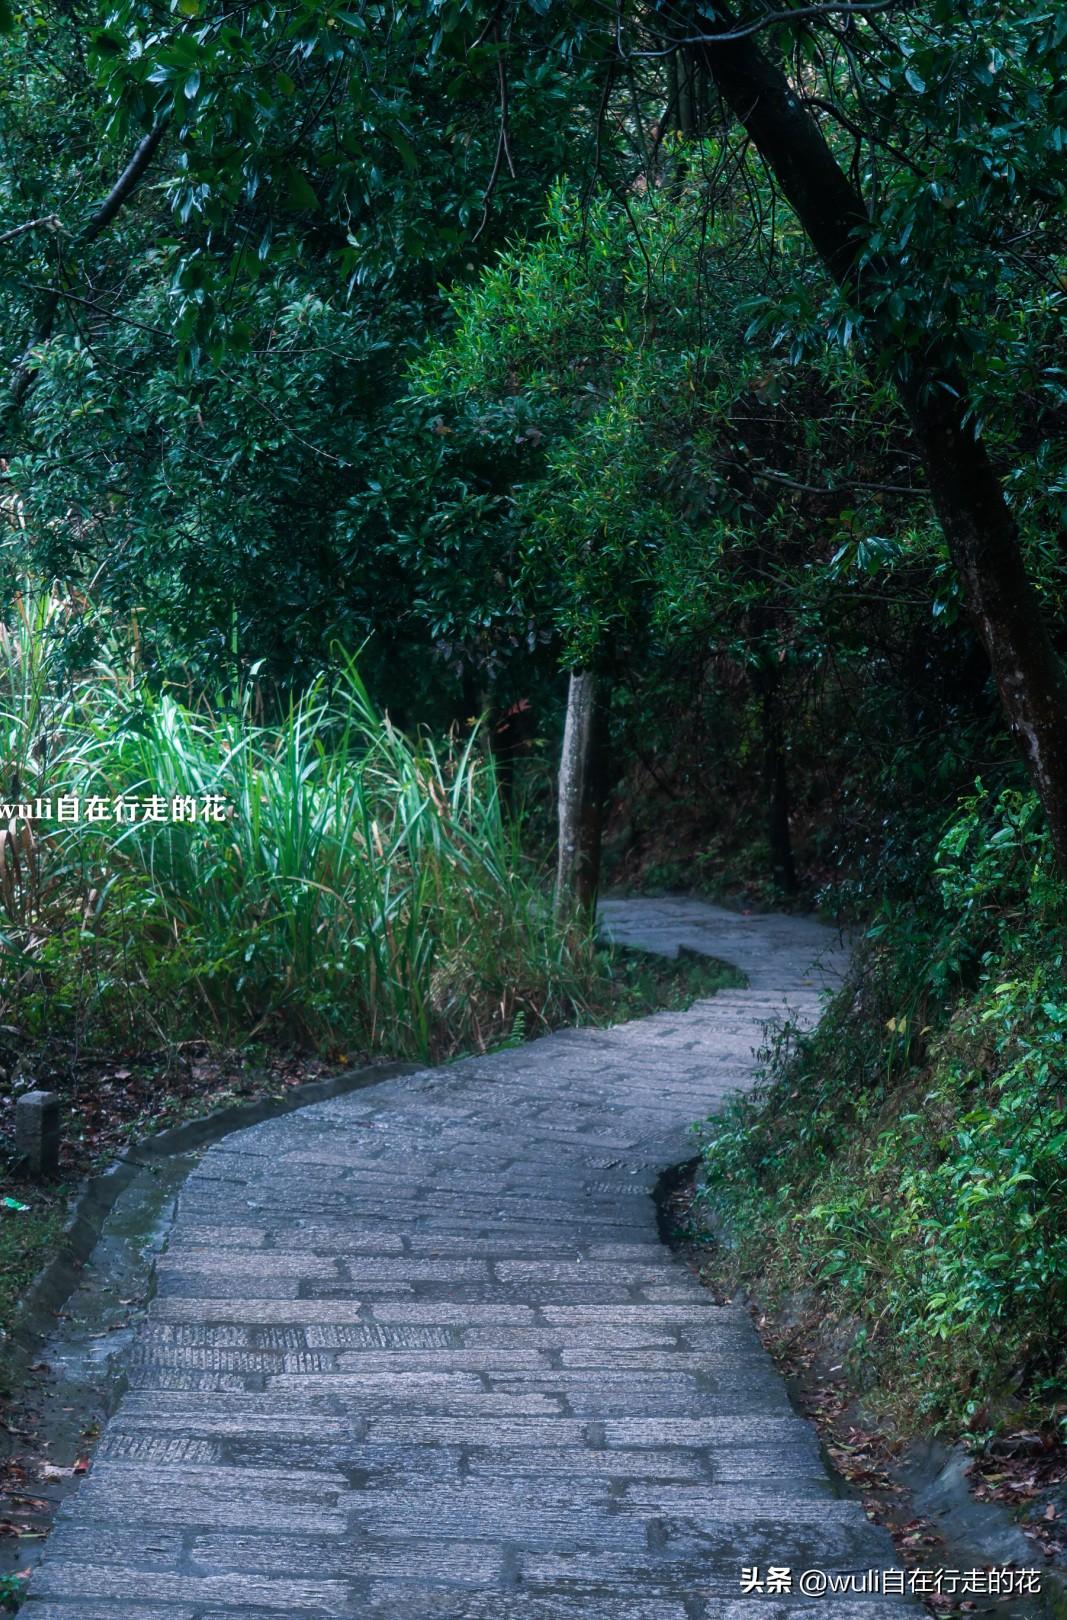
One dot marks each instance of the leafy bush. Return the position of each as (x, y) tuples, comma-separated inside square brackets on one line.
[(12, 1592), (906, 1160), (362, 889)]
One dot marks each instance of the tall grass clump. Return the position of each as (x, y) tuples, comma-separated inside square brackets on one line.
[(320, 878)]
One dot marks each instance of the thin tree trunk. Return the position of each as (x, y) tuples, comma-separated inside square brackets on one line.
[(686, 119), (581, 792), (688, 85), (776, 784), (978, 523), (511, 734)]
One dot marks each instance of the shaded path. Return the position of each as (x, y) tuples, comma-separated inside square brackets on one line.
[(418, 1352)]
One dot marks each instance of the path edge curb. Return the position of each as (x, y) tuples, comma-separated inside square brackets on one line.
[(35, 1313)]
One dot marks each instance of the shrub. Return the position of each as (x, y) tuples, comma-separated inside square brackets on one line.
[(363, 888), (906, 1160)]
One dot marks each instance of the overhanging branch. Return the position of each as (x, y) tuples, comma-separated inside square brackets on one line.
[(50, 220), (769, 19), (100, 219)]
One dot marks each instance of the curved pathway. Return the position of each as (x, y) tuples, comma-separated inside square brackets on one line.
[(418, 1352)]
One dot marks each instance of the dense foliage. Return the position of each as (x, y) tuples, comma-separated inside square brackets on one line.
[(906, 1161), (204, 427)]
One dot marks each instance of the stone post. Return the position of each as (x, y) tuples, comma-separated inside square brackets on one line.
[(37, 1132)]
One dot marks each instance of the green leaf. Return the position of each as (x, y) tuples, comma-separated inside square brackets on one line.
[(405, 148), (298, 190), (104, 43)]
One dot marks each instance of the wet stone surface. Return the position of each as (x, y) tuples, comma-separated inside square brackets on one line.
[(418, 1352)]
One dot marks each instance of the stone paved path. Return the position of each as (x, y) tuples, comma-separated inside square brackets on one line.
[(418, 1352)]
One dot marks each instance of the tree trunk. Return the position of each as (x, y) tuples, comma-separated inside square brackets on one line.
[(688, 93), (978, 523), (511, 735), (776, 784), (581, 792)]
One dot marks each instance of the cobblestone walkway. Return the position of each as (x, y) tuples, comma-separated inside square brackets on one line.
[(418, 1352)]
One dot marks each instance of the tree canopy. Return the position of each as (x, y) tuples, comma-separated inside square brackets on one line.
[(498, 338)]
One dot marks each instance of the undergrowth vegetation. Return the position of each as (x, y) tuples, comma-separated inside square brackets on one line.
[(321, 878), (906, 1161)]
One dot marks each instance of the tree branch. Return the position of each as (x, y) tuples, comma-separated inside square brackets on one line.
[(101, 218), (51, 220), (794, 14), (503, 147), (835, 489)]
